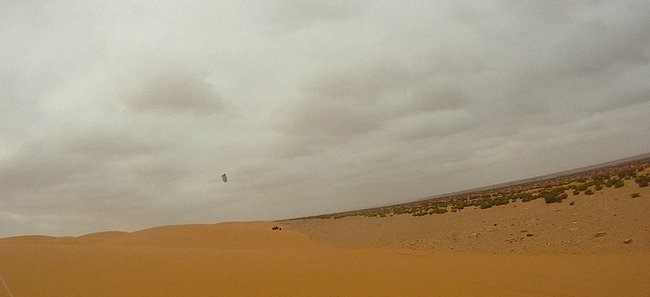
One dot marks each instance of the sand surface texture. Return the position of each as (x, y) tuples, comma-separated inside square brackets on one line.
[(599, 223), (453, 254)]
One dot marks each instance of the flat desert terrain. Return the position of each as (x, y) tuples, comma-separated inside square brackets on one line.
[(599, 245)]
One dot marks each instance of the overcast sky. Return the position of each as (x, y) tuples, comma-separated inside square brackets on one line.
[(121, 115)]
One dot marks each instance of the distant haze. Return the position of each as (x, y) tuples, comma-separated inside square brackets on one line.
[(120, 115)]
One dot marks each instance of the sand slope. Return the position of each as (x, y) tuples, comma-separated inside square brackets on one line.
[(340, 258), (531, 227), (84, 271)]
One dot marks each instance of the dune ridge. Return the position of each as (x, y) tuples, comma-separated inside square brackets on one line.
[(587, 245), (229, 235), (263, 262)]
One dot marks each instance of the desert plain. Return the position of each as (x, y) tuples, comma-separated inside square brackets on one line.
[(595, 244)]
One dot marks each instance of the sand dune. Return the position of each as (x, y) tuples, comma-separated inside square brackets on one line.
[(250, 235), (45, 270), (358, 256)]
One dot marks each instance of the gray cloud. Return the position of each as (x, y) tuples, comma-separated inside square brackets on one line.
[(363, 81), (436, 97), (35, 167), (427, 124), (172, 93), (124, 115), (327, 119), (403, 101), (106, 144), (292, 15)]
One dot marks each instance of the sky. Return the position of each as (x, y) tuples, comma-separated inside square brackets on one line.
[(122, 115)]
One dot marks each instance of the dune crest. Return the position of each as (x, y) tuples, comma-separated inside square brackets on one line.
[(594, 244), (229, 235), (239, 235)]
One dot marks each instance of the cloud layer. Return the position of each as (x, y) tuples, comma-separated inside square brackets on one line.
[(124, 115)]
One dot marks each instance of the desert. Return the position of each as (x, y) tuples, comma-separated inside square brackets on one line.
[(326, 148), (583, 245)]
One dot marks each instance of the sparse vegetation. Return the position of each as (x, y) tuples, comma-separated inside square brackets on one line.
[(598, 186), (642, 180), (486, 204), (552, 190), (438, 211), (555, 195), (525, 197), (582, 188)]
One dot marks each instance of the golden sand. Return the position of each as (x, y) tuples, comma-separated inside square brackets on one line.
[(392, 256)]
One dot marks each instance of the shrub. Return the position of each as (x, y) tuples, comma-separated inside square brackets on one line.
[(501, 201), (438, 211), (552, 199), (589, 192), (525, 197), (555, 196), (486, 204), (635, 195), (642, 180)]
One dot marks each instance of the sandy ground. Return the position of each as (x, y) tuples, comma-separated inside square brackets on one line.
[(600, 223), (454, 254)]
